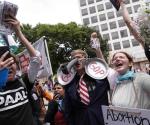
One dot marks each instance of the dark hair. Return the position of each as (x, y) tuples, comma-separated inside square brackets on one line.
[(57, 83)]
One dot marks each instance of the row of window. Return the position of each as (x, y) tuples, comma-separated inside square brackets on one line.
[(110, 15), (112, 25), (114, 35), (125, 44), (83, 2)]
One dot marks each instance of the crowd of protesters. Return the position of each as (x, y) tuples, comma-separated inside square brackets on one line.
[(80, 101)]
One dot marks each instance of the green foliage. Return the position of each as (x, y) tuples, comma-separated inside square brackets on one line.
[(71, 35)]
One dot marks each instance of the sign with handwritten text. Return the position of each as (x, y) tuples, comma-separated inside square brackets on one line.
[(125, 116)]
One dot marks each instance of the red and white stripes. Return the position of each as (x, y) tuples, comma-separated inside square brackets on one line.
[(83, 91)]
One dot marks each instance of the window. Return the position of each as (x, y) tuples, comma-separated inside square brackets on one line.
[(127, 1), (94, 19), (86, 21), (117, 46), (95, 28), (118, 13), (82, 3), (135, 42), (100, 7), (84, 12), (98, 0), (136, 7), (104, 27), (110, 47), (126, 44), (129, 10), (114, 35), (112, 25), (110, 15), (135, 0), (108, 5), (121, 23), (92, 10), (90, 1), (106, 36), (123, 33), (102, 17)]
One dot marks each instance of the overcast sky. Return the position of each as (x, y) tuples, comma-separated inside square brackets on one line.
[(47, 11)]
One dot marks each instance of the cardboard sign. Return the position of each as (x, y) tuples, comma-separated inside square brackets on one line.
[(125, 116), (116, 4)]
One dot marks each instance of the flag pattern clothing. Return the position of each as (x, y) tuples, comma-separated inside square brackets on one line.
[(83, 92)]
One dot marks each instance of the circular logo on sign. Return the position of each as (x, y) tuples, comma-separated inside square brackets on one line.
[(96, 68)]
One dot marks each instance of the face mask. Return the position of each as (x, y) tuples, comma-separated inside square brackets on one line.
[(3, 77)]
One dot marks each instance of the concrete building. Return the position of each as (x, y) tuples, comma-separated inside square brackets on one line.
[(103, 17)]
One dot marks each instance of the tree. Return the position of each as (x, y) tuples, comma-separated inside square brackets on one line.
[(62, 39)]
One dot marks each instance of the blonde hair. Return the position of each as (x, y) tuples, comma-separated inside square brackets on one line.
[(79, 51)]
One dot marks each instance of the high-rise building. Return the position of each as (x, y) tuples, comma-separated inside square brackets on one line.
[(103, 17)]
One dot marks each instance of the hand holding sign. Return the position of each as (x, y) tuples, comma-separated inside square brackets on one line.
[(94, 42)]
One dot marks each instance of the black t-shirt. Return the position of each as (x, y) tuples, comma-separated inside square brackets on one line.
[(15, 108)]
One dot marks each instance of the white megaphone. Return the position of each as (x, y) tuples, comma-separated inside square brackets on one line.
[(66, 72), (94, 67)]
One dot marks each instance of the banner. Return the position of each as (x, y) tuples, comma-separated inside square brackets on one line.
[(116, 4), (125, 116), (45, 69)]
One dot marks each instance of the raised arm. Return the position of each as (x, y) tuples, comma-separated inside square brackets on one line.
[(16, 27), (131, 24), (95, 45), (35, 59)]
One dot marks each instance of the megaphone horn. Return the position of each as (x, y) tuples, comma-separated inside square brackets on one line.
[(66, 72)]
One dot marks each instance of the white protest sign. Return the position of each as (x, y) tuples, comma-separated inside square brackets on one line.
[(45, 69), (125, 116)]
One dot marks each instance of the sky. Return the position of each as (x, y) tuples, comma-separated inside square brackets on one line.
[(47, 11)]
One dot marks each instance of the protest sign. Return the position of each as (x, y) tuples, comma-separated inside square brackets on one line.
[(45, 69), (7, 9), (125, 116)]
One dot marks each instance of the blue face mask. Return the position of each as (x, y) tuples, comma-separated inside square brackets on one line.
[(3, 77)]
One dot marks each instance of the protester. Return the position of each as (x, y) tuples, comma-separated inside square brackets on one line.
[(84, 95), (15, 108), (55, 112), (38, 93), (132, 89), (143, 21)]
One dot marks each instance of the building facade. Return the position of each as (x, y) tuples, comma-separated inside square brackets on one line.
[(103, 17)]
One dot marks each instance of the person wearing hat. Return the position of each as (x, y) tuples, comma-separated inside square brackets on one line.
[(15, 108)]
